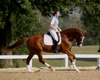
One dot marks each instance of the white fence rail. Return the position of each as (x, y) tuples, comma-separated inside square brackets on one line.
[(97, 56), (36, 57), (58, 56)]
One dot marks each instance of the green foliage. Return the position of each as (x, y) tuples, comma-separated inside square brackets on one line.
[(91, 18), (23, 16), (23, 26), (47, 7)]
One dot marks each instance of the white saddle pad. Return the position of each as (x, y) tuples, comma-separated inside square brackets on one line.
[(48, 40)]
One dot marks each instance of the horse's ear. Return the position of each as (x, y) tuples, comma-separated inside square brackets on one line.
[(84, 31)]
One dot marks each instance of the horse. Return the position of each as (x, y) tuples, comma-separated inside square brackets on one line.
[(35, 45)]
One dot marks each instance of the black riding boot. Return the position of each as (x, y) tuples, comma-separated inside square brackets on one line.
[(55, 47)]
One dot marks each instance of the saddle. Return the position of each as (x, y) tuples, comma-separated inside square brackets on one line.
[(48, 40)]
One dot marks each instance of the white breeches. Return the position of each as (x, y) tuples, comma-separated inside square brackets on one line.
[(54, 34)]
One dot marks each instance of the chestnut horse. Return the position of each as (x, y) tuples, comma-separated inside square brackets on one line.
[(36, 45)]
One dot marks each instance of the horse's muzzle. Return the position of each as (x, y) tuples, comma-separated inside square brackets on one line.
[(80, 45)]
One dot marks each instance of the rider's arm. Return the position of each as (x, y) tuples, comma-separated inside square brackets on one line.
[(52, 22), (51, 26)]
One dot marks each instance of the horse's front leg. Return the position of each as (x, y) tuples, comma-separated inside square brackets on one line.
[(72, 58), (74, 65)]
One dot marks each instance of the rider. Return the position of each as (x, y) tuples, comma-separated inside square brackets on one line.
[(55, 30)]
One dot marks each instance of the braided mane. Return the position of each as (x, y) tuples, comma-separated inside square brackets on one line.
[(72, 29)]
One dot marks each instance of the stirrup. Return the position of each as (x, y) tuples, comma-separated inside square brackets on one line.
[(56, 51)]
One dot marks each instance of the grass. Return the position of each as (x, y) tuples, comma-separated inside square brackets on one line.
[(85, 49), (60, 62)]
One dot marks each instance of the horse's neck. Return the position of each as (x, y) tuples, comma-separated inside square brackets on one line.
[(68, 34)]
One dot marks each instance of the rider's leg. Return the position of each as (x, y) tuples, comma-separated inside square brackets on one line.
[(54, 35)]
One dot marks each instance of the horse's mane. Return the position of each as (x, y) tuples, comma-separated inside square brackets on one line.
[(72, 29)]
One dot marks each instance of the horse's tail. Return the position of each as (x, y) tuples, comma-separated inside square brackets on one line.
[(15, 45)]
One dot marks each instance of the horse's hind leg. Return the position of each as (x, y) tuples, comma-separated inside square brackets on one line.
[(43, 62), (28, 61)]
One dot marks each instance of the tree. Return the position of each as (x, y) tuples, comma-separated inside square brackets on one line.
[(91, 18), (11, 11)]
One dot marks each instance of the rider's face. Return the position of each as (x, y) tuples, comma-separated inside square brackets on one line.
[(57, 14)]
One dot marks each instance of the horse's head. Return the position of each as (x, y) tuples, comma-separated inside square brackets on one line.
[(79, 38), (73, 33)]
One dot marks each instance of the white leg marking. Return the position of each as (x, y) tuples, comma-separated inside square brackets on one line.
[(29, 69), (74, 66), (47, 65)]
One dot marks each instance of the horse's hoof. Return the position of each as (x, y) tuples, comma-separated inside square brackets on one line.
[(31, 71), (78, 71), (53, 70), (98, 67), (71, 66)]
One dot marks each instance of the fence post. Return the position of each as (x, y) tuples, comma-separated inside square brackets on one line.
[(30, 63), (98, 62), (66, 61)]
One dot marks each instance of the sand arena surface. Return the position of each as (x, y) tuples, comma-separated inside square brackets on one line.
[(46, 74)]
